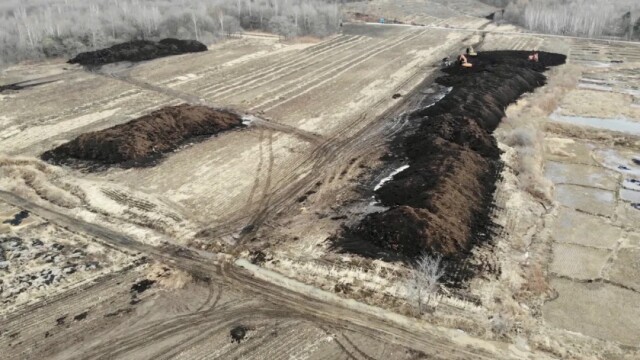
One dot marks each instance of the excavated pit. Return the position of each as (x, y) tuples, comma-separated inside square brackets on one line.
[(141, 142), (138, 50), (441, 203)]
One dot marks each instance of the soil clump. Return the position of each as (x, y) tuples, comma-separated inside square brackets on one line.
[(441, 204), (141, 141), (138, 50)]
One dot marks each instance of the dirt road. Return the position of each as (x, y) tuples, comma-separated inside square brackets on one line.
[(278, 303)]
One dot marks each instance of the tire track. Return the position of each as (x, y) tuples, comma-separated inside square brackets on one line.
[(267, 76), (303, 176), (344, 67)]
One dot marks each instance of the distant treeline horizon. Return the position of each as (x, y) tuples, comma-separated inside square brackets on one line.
[(37, 29), (583, 18)]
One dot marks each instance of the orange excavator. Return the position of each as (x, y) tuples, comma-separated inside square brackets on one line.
[(462, 60)]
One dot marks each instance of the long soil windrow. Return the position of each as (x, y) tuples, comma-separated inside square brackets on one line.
[(441, 204)]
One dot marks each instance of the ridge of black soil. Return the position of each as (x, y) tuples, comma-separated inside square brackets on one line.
[(441, 204), (22, 85), (141, 141), (138, 50)]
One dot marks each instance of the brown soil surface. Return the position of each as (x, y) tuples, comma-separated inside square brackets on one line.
[(441, 204), (142, 140), (138, 50)]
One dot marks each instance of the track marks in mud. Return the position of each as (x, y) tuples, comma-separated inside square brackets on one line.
[(442, 203)]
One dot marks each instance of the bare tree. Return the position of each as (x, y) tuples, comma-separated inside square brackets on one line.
[(33, 29), (424, 282)]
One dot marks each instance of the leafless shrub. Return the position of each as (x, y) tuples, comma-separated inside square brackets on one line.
[(424, 282), (34, 29), (501, 324)]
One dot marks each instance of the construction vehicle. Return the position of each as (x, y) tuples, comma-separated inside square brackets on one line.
[(471, 52), (462, 60)]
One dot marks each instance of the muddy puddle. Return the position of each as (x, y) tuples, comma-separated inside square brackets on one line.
[(439, 197)]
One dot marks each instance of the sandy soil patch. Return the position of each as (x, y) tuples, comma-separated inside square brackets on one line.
[(600, 310), (626, 268), (599, 104), (578, 262), (573, 227)]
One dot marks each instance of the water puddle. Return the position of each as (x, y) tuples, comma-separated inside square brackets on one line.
[(622, 124), (614, 160), (631, 196)]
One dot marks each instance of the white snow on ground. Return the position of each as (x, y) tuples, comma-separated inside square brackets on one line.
[(248, 119), (390, 177)]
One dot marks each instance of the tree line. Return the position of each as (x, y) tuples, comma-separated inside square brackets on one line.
[(36, 29), (584, 18)]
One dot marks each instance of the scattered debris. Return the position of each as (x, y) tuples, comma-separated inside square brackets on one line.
[(636, 161), (17, 218), (257, 257), (81, 316), (396, 96), (60, 321), (623, 167), (636, 206), (142, 286), (238, 333)]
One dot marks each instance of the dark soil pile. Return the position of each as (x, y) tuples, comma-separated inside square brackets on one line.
[(138, 50), (140, 141), (22, 85), (441, 204)]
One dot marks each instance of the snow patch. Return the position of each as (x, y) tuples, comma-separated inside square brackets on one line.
[(390, 177)]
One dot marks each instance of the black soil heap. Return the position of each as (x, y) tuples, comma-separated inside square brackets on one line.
[(441, 204), (141, 141), (138, 50)]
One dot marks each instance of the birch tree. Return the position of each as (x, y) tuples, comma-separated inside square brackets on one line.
[(424, 282)]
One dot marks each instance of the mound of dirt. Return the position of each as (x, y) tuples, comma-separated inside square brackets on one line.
[(138, 50), (140, 141), (22, 85), (441, 204)]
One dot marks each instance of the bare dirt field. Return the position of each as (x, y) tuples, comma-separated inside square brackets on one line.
[(234, 231)]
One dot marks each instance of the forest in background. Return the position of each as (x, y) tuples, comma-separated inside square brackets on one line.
[(36, 29), (584, 18)]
